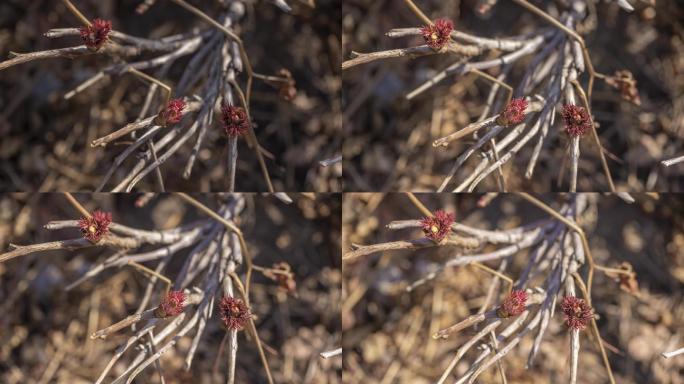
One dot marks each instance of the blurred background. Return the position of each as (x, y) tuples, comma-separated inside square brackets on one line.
[(387, 331), (388, 145), (45, 143), (44, 328)]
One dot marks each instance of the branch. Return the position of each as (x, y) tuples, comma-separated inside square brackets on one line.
[(69, 53), (411, 52)]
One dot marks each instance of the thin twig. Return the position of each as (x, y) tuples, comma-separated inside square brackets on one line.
[(252, 139), (595, 136), (232, 227), (72, 8), (587, 296), (72, 200), (674, 353), (253, 329), (151, 272), (233, 36), (332, 353), (672, 161)]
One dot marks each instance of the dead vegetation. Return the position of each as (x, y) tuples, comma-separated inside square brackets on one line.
[(57, 113), (55, 300), (388, 330), (396, 109)]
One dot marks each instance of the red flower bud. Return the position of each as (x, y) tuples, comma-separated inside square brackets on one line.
[(287, 90), (513, 114), (172, 113), (577, 312), (624, 82), (171, 305), (513, 305), (437, 34), (282, 274), (234, 313), (234, 119), (95, 226), (95, 35), (437, 227), (577, 120)]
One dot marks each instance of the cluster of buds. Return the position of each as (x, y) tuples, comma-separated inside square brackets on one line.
[(626, 277), (577, 312), (437, 35), (577, 120), (171, 114), (282, 274), (171, 305), (235, 120), (625, 83), (438, 226), (234, 313), (95, 35), (513, 114), (95, 227), (287, 89), (513, 305)]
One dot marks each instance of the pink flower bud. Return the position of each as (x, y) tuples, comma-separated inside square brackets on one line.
[(513, 305), (172, 113), (437, 35), (436, 228), (577, 312), (234, 313), (171, 305), (234, 119), (513, 114), (95, 35), (576, 119), (95, 226), (624, 82)]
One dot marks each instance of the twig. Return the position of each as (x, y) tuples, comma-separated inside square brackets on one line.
[(72, 8), (574, 162), (672, 161), (463, 324), (590, 67), (330, 161), (454, 241), (410, 52), (595, 136), (130, 320), (72, 200), (191, 106), (253, 329), (157, 364), (232, 162), (332, 353), (230, 226), (574, 227), (586, 292), (252, 139), (674, 353), (230, 34), (68, 53), (151, 272)]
